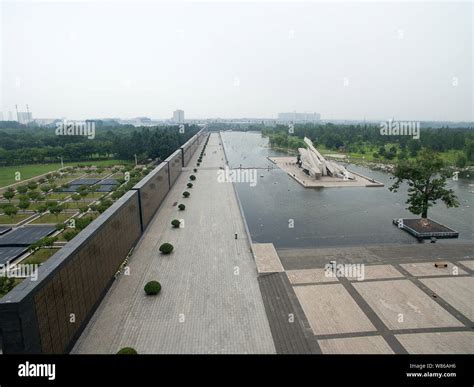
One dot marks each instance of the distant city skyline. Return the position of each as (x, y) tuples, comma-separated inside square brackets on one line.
[(344, 61)]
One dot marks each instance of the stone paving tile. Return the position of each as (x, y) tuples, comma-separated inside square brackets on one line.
[(210, 300), (356, 345), (379, 272), (469, 264), (457, 291), (421, 269), (310, 258), (438, 342), (330, 309), (402, 305), (266, 258), (298, 277)]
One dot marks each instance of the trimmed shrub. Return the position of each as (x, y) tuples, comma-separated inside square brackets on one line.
[(166, 248), (182, 207), (70, 234), (152, 288), (175, 223), (192, 177), (195, 170), (186, 194), (127, 351), (198, 164), (190, 185)]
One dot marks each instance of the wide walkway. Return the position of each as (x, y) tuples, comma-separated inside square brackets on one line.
[(210, 300)]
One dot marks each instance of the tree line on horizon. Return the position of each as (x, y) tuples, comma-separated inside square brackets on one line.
[(35, 145), (358, 138)]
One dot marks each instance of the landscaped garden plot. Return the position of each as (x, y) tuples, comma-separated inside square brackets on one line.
[(7, 174), (52, 219), (58, 195), (5, 219), (74, 205), (40, 256)]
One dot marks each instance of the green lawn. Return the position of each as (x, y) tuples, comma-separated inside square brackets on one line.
[(7, 174), (39, 256), (16, 281), (58, 195), (52, 219), (4, 219), (74, 205), (95, 195)]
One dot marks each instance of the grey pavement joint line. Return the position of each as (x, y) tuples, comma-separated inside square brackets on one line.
[(438, 299), (394, 332), (389, 337)]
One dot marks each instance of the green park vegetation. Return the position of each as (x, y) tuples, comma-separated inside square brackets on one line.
[(40, 256), (52, 218), (426, 178), (175, 223), (7, 284), (7, 173), (5, 219), (152, 288), (455, 146), (166, 248), (34, 151), (127, 351)]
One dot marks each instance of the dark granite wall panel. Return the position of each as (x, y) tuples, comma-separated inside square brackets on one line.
[(36, 317), (175, 165), (153, 189)]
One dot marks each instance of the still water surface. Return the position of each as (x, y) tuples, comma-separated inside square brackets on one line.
[(329, 216)]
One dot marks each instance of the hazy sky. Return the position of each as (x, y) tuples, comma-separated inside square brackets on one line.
[(343, 60)]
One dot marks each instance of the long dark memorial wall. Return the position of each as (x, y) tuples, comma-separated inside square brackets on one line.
[(49, 314)]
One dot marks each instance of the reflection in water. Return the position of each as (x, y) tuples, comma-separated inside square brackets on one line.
[(329, 216)]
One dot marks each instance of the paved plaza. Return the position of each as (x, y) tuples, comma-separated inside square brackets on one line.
[(403, 303), (210, 300)]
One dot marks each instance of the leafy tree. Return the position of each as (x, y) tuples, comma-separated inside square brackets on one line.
[(76, 197), (56, 210), (41, 209), (426, 180), (34, 195), (9, 194), (24, 204), (461, 161), (32, 185), (22, 189), (10, 210), (45, 188)]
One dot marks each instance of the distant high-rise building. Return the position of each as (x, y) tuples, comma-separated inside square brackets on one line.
[(25, 117), (178, 116), (299, 117)]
